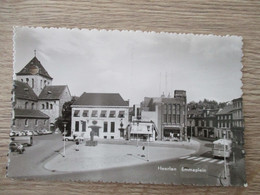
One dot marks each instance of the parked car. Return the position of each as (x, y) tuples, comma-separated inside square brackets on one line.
[(39, 132), (16, 147), (35, 133), (13, 133)]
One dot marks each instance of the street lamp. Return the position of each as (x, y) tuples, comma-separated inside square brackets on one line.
[(64, 132), (148, 129), (225, 165)]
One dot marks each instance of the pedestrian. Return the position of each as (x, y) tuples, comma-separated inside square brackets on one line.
[(77, 145)]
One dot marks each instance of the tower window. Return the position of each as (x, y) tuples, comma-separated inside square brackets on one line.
[(47, 105), (26, 105), (27, 80), (32, 83), (32, 106), (26, 122), (43, 106)]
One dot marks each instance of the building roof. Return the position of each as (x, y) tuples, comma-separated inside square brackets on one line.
[(226, 110), (34, 67), (101, 99), (53, 92), (26, 113), (24, 91)]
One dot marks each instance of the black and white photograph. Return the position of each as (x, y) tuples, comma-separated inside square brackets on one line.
[(127, 106)]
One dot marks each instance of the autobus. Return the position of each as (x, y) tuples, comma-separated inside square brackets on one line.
[(222, 148)]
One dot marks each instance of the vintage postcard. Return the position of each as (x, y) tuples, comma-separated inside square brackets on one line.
[(127, 106)]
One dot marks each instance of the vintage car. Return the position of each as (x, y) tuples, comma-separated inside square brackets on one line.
[(16, 147)]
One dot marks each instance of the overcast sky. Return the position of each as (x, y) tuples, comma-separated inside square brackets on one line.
[(135, 64)]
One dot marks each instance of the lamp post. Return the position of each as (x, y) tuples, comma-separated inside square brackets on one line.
[(148, 130), (64, 132), (225, 165)]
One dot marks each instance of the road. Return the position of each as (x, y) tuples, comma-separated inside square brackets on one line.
[(168, 171), (32, 160)]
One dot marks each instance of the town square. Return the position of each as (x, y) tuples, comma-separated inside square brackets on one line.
[(128, 118)]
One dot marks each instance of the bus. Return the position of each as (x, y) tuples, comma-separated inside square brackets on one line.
[(222, 148)]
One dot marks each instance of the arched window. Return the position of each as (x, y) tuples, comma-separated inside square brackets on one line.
[(51, 106), (36, 122), (32, 83), (26, 122), (47, 105), (26, 105), (44, 82), (22, 80), (32, 106), (27, 80), (41, 84), (43, 106)]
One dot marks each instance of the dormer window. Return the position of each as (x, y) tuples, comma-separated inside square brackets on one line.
[(49, 92)]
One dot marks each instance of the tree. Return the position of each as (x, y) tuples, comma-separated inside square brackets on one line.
[(66, 116)]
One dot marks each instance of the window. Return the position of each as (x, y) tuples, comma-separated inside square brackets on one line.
[(112, 137), (174, 118), (36, 122), (44, 82), (105, 137), (76, 113), (77, 126), (27, 80), (85, 113), (211, 123), (178, 109), (32, 106), (13, 122), (32, 83), (47, 105), (44, 122), (43, 106), (112, 114), (112, 129), (41, 84), (121, 114), (94, 113), (105, 127), (178, 118), (83, 126), (103, 113), (51, 106), (22, 80), (165, 118), (25, 105), (26, 122)]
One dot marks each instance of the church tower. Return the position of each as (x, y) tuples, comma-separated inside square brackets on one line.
[(35, 75)]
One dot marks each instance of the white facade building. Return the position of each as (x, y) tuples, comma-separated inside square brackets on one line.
[(109, 111)]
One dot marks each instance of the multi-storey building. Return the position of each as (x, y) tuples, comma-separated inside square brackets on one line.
[(202, 122), (238, 121), (108, 112), (224, 122), (169, 115)]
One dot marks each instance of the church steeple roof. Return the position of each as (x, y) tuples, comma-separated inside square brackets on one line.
[(34, 67)]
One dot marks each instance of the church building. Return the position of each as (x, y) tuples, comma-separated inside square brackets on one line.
[(36, 102)]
